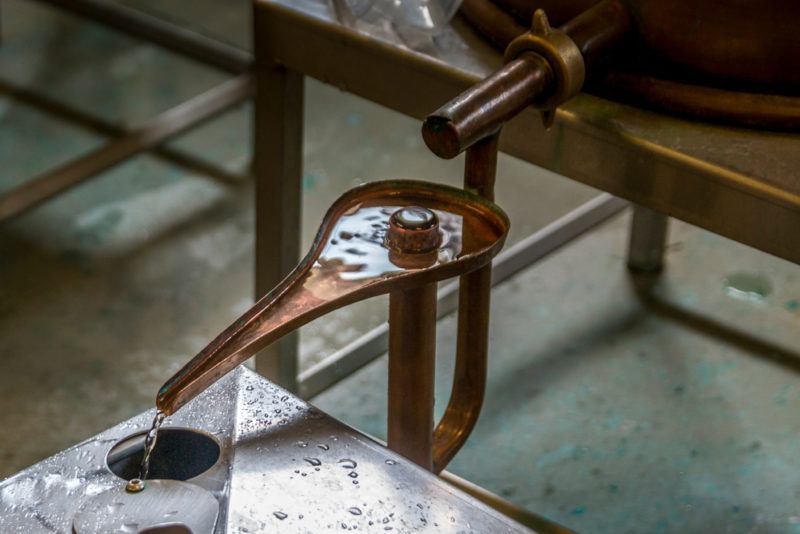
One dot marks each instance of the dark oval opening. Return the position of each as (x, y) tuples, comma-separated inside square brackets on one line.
[(180, 454)]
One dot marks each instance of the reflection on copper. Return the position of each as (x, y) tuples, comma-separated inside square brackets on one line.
[(348, 262)]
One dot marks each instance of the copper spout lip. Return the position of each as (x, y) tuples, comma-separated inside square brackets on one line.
[(320, 284)]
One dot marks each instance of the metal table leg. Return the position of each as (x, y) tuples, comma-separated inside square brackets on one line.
[(647, 240), (278, 153)]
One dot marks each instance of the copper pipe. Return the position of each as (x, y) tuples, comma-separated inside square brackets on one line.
[(480, 167), (412, 358), (528, 79), (472, 342), (483, 109), (559, 11), (598, 31), (492, 22)]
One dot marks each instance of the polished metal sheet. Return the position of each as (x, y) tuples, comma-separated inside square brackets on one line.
[(285, 467), (163, 503)]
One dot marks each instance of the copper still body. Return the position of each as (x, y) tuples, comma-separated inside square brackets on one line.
[(724, 61)]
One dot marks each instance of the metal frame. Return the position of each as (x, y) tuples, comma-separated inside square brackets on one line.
[(648, 240), (155, 131), (670, 166)]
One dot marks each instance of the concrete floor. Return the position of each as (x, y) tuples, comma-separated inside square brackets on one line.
[(610, 409)]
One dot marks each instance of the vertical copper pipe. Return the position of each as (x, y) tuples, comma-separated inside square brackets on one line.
[(480, 167), (472, 343), (412, 356)]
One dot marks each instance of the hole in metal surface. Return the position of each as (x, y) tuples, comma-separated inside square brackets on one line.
[(180, 454)]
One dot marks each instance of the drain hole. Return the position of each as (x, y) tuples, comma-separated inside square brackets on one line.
[(180, 454)]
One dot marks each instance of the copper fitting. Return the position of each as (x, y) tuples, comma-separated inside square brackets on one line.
[(562, 56), (413, 230)]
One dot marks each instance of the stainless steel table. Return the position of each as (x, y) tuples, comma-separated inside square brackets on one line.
[(738, 183), (284, 467)]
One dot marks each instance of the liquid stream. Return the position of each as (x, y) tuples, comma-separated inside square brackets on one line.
[(150, 444)]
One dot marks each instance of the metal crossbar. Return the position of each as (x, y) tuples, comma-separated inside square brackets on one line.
[(155, 131)]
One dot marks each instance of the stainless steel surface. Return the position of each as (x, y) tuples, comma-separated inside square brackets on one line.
[(176, 38), (164, 503), (153, 132), (648, 240), (285, 467), (521, 255)]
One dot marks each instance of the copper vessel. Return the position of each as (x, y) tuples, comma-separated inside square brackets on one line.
[(736, 62)]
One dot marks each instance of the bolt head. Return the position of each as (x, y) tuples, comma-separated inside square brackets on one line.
[(413, 230), (414, 218)]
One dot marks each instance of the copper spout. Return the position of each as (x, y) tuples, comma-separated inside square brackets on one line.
[(544, 69), (348, 262)]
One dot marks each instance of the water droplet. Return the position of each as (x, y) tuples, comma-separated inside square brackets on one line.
[(250, 388), (352, 474), (323, 446), (280, 515), (302, 444), (313, 461), (354, 510), (348, 463), (390, 462)]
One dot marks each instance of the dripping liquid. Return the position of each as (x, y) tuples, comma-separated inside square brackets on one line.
[(150, 444)]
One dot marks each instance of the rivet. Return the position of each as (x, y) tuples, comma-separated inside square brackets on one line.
[(135, 485)]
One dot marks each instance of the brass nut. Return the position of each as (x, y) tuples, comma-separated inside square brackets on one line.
[(135, 485), (413, 230), (562, 55)]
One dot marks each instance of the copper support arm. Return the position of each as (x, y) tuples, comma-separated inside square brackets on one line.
[(545, 67), (472, 342), (412, 363), (363, 249)]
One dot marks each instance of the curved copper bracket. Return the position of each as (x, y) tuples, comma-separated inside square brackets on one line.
[(349, 261), (543, 69)]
